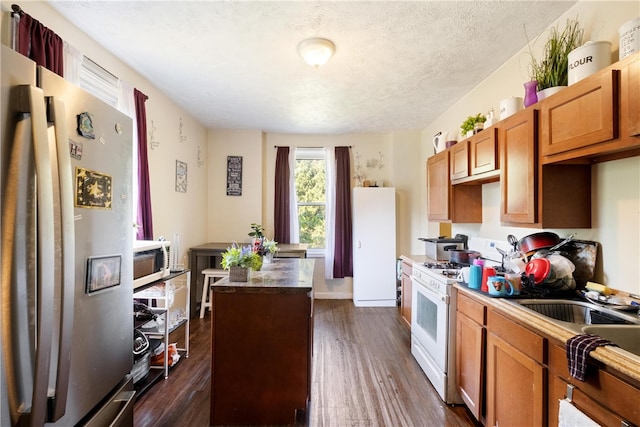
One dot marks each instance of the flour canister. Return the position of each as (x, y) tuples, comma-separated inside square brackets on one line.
[(587, 59), (629, 38)]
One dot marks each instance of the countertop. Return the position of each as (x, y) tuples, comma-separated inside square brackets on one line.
[(280, 275), (613, 357)]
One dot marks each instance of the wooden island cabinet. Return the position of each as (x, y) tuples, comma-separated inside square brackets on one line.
[(261, 346)]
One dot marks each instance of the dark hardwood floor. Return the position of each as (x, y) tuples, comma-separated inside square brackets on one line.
[(363, 375)]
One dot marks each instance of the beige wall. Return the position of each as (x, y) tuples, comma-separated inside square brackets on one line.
[(616, 184), (173, 212), (205, 213)]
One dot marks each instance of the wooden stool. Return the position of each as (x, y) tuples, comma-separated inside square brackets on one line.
[(209, 273)]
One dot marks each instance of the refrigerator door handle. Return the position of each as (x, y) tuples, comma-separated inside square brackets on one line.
[(56, 114), (34, 378)]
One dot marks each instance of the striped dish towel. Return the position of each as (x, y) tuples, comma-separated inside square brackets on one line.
[(578, 349)]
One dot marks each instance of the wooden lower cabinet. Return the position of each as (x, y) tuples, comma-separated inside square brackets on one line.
[(406, 285), (603, 397), (510, 375), (470, 353), (516, 375)]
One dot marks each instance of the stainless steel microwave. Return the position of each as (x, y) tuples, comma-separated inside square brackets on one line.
[(150, 261)]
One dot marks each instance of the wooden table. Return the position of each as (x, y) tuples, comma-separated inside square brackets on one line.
[(261, 336), (209, 255)]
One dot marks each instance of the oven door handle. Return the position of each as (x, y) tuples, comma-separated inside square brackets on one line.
[(429, 293)]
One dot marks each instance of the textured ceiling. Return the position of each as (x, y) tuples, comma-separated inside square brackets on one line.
[(397, 66)]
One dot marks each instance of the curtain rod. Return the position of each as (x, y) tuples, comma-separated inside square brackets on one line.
[(16, 9), (278, 146)]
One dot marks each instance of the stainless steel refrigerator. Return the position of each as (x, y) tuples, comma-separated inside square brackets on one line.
[(66, 251)]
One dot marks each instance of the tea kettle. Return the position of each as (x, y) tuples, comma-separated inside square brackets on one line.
[(440, 141)]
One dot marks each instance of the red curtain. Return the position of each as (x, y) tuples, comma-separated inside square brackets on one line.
[(343, 253), (39, 43), (144, 217), (282, 211)]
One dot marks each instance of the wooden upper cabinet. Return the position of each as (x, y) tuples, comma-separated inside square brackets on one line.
[(630, 100), (483, 151), (596, 119), (582, 115), (475, 159), (518, 167), (438, 187), (459, 154)]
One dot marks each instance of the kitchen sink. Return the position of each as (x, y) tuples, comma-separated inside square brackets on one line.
[(620, 327), (579, 312), (627, 337)]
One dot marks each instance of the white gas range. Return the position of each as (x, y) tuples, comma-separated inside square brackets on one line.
[(433, 318)]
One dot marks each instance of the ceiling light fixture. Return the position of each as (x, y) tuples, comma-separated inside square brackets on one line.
[(316, 51)]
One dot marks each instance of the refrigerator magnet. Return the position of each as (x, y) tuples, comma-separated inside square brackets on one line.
[(103, 272), (85, 125), (93, 189)]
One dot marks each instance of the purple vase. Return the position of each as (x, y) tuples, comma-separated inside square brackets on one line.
[(530, 95)]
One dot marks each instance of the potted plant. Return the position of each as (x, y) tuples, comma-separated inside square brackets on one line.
[(238, 260), (552, 69), (469, 126)]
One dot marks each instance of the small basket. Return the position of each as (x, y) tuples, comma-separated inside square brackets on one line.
[(238, 274)]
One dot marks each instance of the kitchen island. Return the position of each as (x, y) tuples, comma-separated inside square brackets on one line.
[(261, 346)]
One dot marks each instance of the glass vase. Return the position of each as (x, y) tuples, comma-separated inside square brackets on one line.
[(530, 93)]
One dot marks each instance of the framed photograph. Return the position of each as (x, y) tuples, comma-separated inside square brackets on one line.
[(181, 176), (234, 175), (103, 272)]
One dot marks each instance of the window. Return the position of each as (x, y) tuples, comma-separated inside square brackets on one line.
[(99, 82), (310, 178)]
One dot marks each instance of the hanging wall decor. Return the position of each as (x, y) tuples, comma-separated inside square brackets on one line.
[(181, 176), (153, 142), (234, 175)]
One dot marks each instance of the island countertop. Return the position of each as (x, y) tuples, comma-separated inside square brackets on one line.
[(280, 275)]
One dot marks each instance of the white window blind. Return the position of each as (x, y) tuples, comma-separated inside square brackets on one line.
[(99, 82)]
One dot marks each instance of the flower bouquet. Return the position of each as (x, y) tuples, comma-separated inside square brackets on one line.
[(261, 245), (238, 260)]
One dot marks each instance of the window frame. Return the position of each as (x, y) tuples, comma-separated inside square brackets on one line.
[(312, 153)]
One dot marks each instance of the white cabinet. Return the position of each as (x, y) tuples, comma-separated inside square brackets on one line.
[(374, 246)]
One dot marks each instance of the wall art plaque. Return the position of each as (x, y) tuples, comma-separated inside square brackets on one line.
[(234, 175)]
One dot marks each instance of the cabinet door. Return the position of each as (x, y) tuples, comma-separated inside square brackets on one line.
[(558, 389), (406, 298), (631, 98), (518, 168), (470, 337), (483, 151), (438, 186), (459, 154), (515, 386), (581, 115)]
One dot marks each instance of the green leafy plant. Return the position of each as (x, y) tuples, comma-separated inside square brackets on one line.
[(471, 121), (240, 256), (552, 69), (258, 231)]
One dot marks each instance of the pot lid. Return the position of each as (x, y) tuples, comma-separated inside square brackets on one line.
[(540, 268), (441, 239)]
